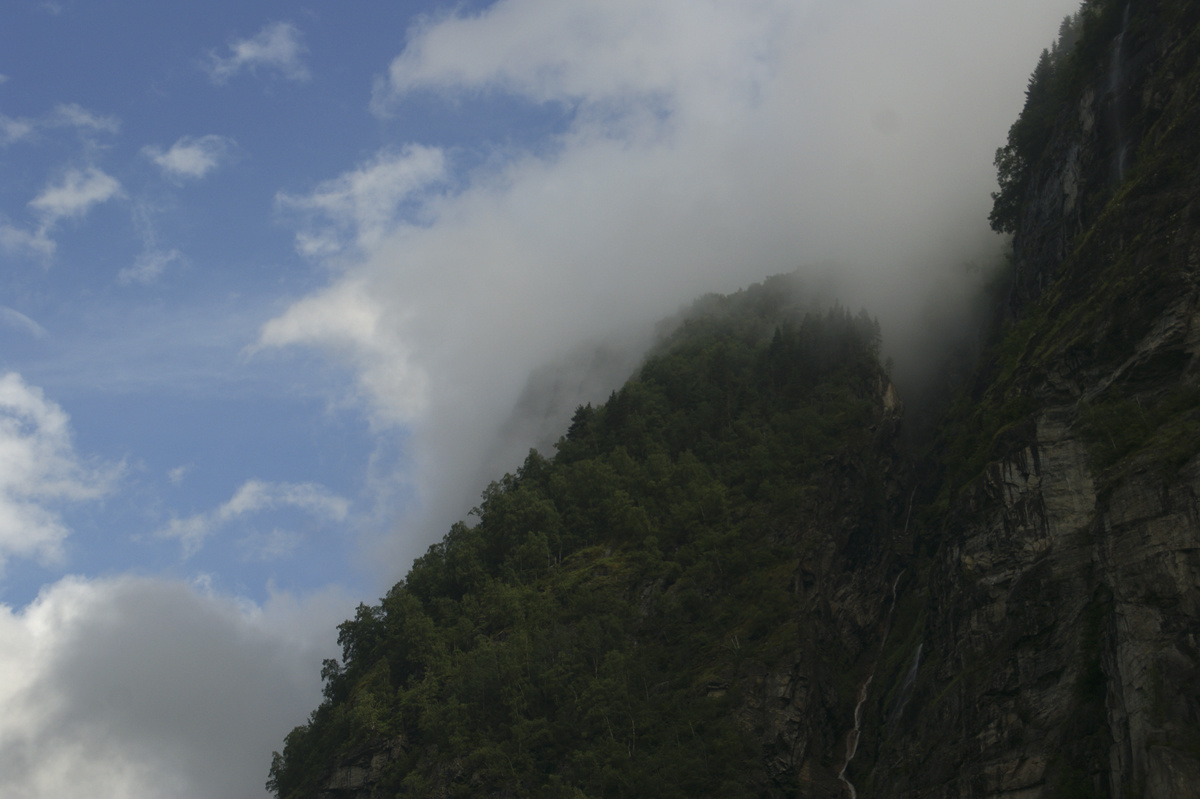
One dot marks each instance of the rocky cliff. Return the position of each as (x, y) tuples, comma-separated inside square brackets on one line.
[(1058, 620)]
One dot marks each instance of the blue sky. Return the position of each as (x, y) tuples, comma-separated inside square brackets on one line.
[(283, 285)]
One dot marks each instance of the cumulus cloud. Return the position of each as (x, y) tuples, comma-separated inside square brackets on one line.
[(278, 47), (710, 144), (137, 687), (39, 472), (191, 158), (255, 496), (74, 195)]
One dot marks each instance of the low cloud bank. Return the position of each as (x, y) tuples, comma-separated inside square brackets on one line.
[(133, 687), (710, 145)]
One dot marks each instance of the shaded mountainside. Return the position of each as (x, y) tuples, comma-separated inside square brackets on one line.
[(653, 609), (728, 564), (1058, 619)]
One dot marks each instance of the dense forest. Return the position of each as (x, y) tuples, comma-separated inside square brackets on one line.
[(584, 635)]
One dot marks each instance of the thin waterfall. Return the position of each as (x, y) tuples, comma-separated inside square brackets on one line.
[(853, 735), (906, 685), (1116, 88)]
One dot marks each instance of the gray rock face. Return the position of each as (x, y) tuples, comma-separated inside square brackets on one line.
[(1066, 625), (1062, 605), (357, 776)]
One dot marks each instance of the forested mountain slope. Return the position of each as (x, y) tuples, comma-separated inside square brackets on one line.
[(649, 611), (730, 565)]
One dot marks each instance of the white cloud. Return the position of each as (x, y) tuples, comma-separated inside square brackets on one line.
[(12, 130), (614, 51), (71, 115), (76, 116), (39, 471), (74, 195), (710, 144), (148, 267), (14, 318), (177, 474), (191, 157), (255, 496), (132, 687), (346, 321), (366, 200), (14, 240), (278, 47)]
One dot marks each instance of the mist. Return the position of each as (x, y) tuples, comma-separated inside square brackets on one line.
[(709, 146)]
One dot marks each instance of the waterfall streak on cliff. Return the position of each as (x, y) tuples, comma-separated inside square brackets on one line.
[(1116, 79), (906, 685), (853, 735)]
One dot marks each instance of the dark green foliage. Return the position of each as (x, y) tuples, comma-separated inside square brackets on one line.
[(584, 638), (1166, 425), (1083, 39)]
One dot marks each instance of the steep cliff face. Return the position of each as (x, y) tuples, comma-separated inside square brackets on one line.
[(1058, 625)]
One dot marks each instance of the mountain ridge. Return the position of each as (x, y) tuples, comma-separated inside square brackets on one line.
[(732, 580)]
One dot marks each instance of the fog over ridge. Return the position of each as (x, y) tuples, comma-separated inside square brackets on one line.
[(710, 146)]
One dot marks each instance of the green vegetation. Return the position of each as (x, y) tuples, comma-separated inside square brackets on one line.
[(1120, 275), (589, 634), (1166, 425), (1082, 44)]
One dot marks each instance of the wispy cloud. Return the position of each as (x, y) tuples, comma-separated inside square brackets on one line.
[(278, 47), (76, 116), (192, 157), (16, 319), (65, 115), (253, 497), (16, 241), (12, 130), (39, 471), (153, 260), (269, 546), (74, 195), (148, 267), (365, 200)]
